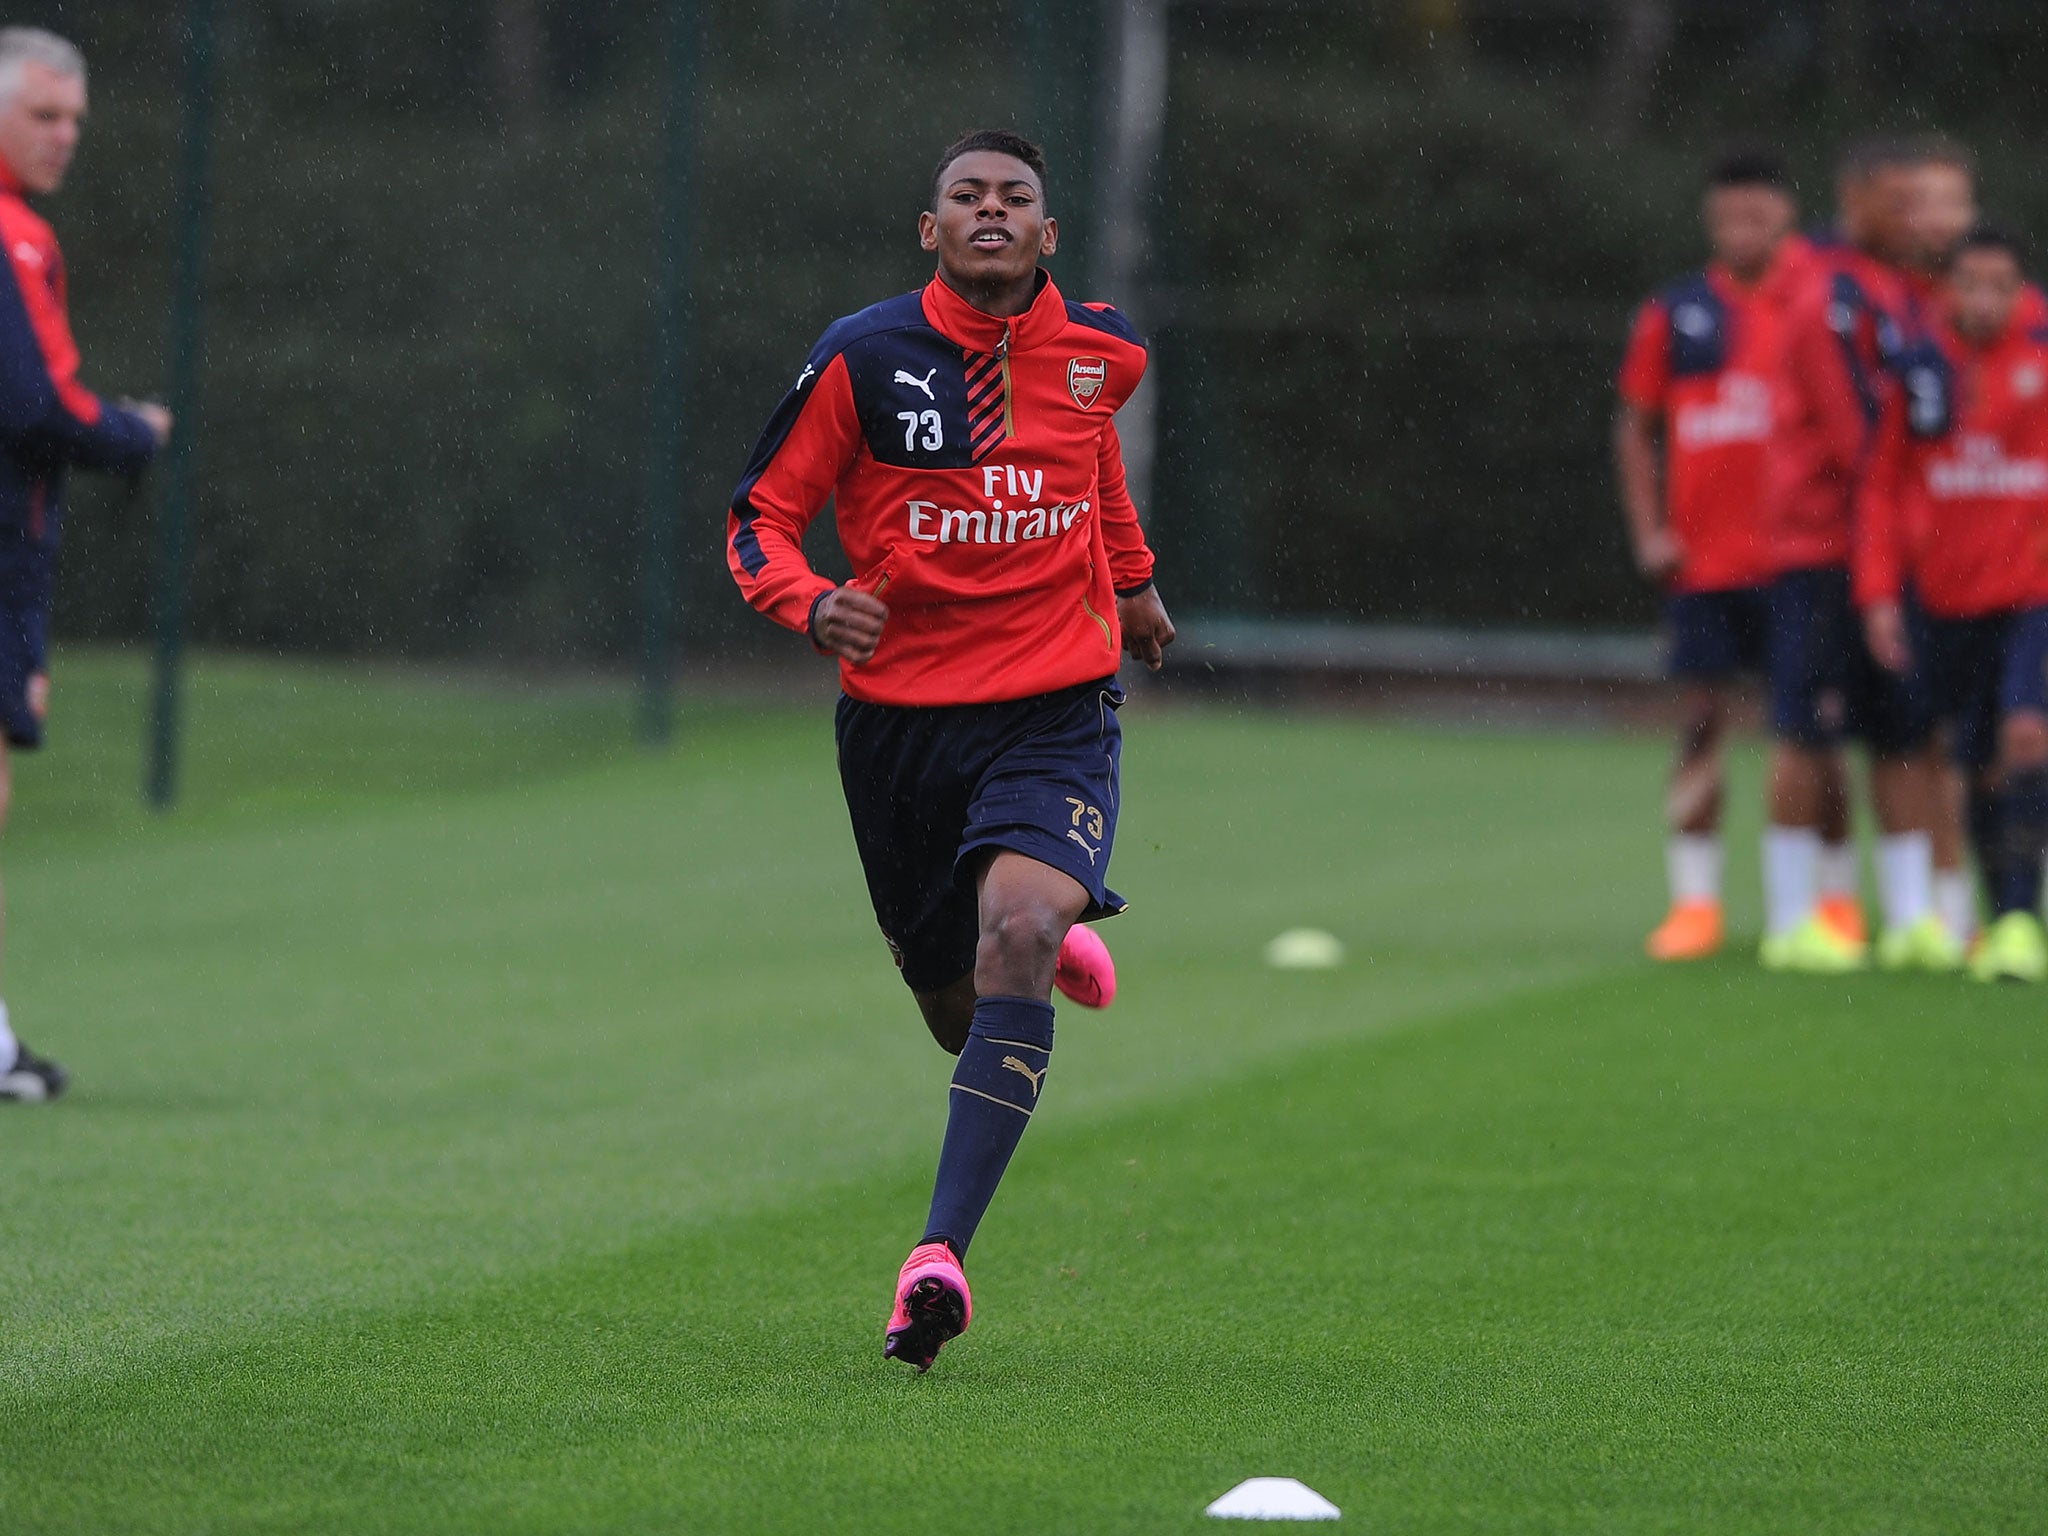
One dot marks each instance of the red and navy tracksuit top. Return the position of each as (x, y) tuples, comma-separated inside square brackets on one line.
[(48, 420), (979, 489)]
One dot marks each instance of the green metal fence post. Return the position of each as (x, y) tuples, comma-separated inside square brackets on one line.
[(174, 511), (667, 435)]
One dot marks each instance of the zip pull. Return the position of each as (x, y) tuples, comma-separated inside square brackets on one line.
[(1003, 346)]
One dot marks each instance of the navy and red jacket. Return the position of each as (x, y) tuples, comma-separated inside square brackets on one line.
[(1841, 357), (48, 420), (1703, 361), (979, 490), (1957, 506)]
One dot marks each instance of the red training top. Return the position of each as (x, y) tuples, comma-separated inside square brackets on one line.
[(48, 419), (979, 487), (1839, 331), (1964, 514), (1703, 359)]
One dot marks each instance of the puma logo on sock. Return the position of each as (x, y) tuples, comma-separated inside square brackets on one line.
[(1012, 1064)]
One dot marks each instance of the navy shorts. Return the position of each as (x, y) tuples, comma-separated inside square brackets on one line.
[(933, 791), (1825, 684), (24, 642), (1981, 670), (1716, 635)]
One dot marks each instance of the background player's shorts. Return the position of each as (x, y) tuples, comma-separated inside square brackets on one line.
[(1825, 684), (931, 790), (24, 642), (1716, 635), (1981, 670)]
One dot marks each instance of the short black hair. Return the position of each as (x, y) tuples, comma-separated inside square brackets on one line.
[(1867, 157), (1000, 141), (1992, 237), (1748, 166)]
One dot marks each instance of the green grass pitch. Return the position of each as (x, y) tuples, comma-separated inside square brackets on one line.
[(480, 1127)]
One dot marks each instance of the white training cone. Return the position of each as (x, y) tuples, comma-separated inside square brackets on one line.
[(1305, 949), (1272, 1498)]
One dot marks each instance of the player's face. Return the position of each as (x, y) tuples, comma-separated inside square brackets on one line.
[(1984, 289), (1944, 209), (989, 228), (1744, 226), (39, 126), (1877, 212)]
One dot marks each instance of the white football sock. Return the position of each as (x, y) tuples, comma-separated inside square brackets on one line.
[(1955, 903), (1693, 865), (1838, 869), (10, 1048), (1791, 877), (1905, 877)]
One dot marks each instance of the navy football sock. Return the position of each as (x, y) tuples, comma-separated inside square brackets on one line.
[(1987, 841), (995, 1088), (2025, 841)]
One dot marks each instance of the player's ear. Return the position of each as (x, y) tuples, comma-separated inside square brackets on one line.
[(928, 231), (1051, 239)]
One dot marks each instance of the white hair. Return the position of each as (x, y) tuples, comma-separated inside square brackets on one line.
[(23, 46)]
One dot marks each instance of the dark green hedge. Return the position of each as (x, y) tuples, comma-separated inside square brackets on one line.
[(1391, 281)]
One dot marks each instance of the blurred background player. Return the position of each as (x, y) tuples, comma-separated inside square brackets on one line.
[(1692, 439), (48, 420), (1958, 509), (965, 436), (1944, 210), (1825, 685), (1945, 203)]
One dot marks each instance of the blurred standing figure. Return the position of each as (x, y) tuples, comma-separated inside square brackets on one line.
[(1956, 504), (48, 420), (1841, 345), (1692, 441), (1944, 201)]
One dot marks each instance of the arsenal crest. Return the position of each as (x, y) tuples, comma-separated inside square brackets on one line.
[(1085, 378)]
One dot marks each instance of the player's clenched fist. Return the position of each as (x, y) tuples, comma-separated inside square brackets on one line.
[(156, 417), (1147, 629), (848, 623)]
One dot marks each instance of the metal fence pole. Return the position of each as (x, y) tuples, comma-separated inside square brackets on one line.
[(667, 438), (161, 780)]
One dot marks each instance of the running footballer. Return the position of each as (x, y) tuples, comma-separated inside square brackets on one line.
[(965, 434)]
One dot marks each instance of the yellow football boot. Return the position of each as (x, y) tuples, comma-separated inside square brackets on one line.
[(1923, 946), (2014, 949), (1814, 947)]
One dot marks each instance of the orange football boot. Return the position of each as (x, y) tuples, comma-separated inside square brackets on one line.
[(1844, 914), (1692, 930)]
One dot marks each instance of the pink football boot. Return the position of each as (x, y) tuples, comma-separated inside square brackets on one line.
[(932, 1306), (1085, 972)]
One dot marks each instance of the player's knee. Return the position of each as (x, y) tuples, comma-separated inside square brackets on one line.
[(1023, 939), (2023, 743)]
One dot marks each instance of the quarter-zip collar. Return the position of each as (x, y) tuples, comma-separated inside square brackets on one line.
[(965, 326)]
